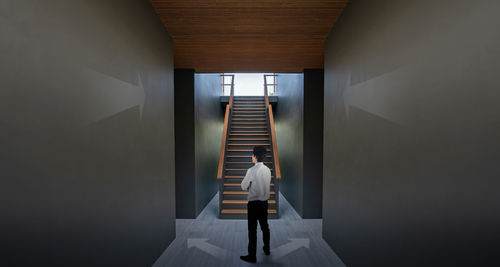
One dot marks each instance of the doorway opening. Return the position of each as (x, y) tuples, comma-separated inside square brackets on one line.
[(249, 84)]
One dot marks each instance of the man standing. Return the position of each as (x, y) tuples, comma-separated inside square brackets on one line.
[(257, 182)]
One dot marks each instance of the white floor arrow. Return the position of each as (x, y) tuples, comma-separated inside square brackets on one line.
[(202, 244), (294, 244), (277, 253)]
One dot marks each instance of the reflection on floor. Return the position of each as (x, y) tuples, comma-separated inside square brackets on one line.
[(208, 241)]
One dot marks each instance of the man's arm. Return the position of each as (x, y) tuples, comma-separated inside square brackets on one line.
[(245, 184)]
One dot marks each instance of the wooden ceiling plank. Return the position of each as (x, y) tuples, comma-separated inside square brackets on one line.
[(258, 35)]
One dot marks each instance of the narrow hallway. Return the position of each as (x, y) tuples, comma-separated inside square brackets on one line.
[(378, 121), (209, 241)]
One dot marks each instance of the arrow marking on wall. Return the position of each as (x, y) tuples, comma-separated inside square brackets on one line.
[(294, 244), (108, 95), (203, 245)]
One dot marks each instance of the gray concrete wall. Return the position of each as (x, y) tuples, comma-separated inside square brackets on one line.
[(411, 145), (199, 122), (209, 123), (87, 134), (184, 144), (289, 125), (299, 133), (313, 143)]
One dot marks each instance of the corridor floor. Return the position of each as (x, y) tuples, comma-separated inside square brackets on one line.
[(207, 241)]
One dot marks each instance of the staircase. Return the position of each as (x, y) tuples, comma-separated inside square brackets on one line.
[(248, 123)]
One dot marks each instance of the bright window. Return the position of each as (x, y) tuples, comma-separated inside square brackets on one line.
[(247, 84)]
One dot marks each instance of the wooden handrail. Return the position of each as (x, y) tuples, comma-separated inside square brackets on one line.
[(231, 96), (275, 149), (265, 91), (273, 131), (223, 143), (224, 132)]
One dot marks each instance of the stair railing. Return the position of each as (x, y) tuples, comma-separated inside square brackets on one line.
[(229, 107), (269, 110)]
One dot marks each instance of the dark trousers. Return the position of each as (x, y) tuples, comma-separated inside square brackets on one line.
[(257, 211)]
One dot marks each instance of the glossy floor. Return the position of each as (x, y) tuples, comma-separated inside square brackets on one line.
[(208, 241)]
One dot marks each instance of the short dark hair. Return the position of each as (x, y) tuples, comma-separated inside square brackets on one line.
[(260, 153)]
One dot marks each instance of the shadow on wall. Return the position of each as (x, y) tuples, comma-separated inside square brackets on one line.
[(199, 123), (411, 126), (209, 124), (299, 133), (87, 142), (289, 126)]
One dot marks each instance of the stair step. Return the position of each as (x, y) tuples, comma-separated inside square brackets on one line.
[(253, 119), (243, 150), (241, 193), (252, 106), (270, 201), (244, 162), (246, 116), (245, 156), (236, 184), (249, 123), (241, 106), (238, 176), (254, 127), (248, 134), (239, 170), (248, 139), (237, 106), (248, 128), (255, 113), (226, 211), (249, 144)]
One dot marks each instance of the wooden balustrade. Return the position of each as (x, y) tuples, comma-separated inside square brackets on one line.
[(226, 125), (224, 132), (273, 131)]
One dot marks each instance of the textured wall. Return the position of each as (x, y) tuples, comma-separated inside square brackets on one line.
[(299, 132), (289, 125), (313, 143), (184, 144), (87, 136), (199, 123), (411, 133), (209, 122)]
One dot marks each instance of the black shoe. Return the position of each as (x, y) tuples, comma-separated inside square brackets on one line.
[(249, 258), (267, 251)]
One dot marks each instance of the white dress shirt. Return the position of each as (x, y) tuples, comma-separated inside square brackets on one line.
[(257, 182)]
